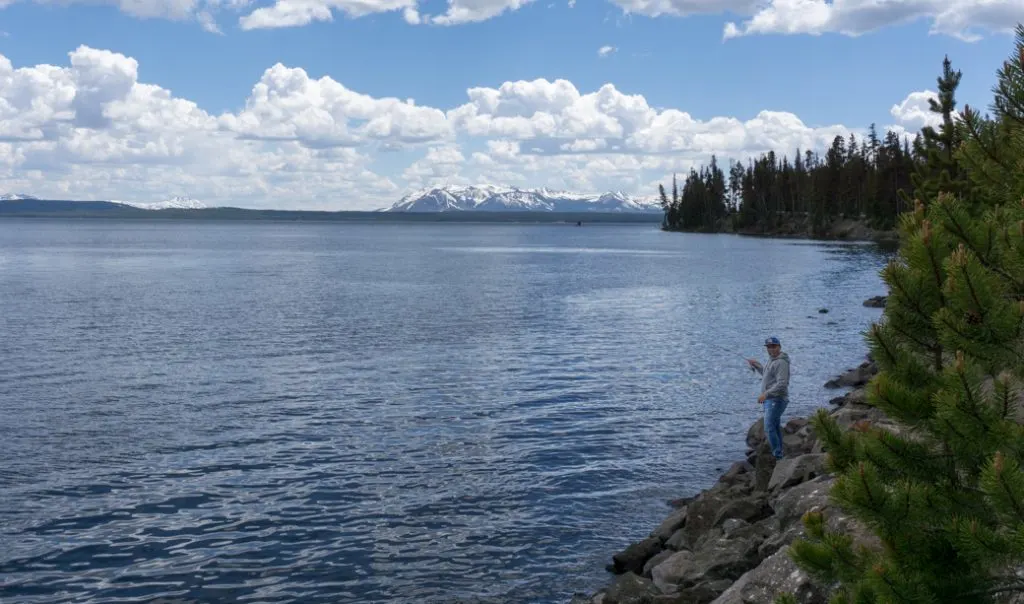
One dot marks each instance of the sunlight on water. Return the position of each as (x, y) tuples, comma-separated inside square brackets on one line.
[(381, 413)]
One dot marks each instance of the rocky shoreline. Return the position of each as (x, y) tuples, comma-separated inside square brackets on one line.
[(840, 229), (729, 544)]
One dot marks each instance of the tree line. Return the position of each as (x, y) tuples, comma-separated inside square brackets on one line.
[(856, 178)]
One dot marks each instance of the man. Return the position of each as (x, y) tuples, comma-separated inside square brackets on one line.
[(774, 392)]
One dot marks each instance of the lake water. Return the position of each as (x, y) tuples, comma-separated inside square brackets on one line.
[(278, 412)]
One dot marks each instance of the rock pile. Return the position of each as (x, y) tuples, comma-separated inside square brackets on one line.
[(729, 544)]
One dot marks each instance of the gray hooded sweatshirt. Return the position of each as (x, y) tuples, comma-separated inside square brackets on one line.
[(775, 383)]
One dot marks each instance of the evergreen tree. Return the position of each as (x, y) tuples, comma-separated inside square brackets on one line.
[(859, 178), (945, 494), (940, 169), (994, 148)]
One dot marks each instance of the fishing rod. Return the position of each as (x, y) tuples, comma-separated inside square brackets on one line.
[(730, 351)]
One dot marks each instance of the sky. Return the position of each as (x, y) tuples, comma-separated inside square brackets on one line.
[(352, 104)]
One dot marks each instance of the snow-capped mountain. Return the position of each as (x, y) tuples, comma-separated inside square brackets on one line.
[(15, 196), (174, 203), (493, 198)]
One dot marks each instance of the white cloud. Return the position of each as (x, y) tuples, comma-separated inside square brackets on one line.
[(91, 130), (292, 13), (287, 105), (440, 166), (682, 8), (472, 11), (965, 19), (914, 112), (605, 51), (958, 18)]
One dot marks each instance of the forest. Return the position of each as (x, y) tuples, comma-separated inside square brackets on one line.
[(856, 178)]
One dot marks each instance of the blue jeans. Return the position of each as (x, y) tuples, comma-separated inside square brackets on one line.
[(773, 408)]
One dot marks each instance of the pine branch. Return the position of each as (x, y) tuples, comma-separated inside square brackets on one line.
[(961, 233)]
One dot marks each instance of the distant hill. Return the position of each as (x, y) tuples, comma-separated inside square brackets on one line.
[(490, 198), (31, 205), (54, 208)]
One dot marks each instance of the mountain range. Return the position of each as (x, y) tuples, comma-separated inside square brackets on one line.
[(484, 198), (481, 198)]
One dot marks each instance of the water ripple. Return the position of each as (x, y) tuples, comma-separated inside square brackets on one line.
[(379, 413)]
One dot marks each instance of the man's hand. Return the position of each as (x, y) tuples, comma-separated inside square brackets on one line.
[(761, 398), (753, 363)]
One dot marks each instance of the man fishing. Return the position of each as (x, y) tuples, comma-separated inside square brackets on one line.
[(774, 392)]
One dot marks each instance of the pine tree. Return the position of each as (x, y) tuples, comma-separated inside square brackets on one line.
[(994, 149), (940, 171), (945, 494)]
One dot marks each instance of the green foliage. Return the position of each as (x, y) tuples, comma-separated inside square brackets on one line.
[(856, 178), (993, 152), (940, 170), (943, 494)]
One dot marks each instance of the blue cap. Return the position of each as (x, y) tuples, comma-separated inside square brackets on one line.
[(772, 341)]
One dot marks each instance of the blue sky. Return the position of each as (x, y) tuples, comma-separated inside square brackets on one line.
[(681, 89)]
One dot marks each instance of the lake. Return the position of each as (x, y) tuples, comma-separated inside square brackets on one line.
[(289, 412)]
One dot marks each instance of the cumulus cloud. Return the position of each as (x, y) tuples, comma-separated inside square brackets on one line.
[(91, 130), (472, 11), (440, 166), (914, 112), (287, 105), (605, 51), (958, 18)]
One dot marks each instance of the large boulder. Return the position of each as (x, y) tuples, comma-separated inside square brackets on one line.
[(852, 413), (633, 558), (712, 509), (778, 574), (631, 589), (854, 377), (794, 470), (671, 524), (720, 559)]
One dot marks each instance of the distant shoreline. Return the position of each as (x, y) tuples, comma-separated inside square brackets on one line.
[(240, 214), (853, 230)]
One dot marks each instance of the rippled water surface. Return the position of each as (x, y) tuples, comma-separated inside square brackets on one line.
[(265, 412)]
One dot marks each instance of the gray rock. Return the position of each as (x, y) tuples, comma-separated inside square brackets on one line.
[(755, 434), (702, 593), (791, 504), (764, 465), (677, 541), (631, 588), (740, 473), (713, 508), (854, 377), (665, 555), (776, 575), (857, 396), (876, 302), (671, 524), (732, 525), (794, 470), (633, 558), (850, 414), (720, 559), (666, 575)]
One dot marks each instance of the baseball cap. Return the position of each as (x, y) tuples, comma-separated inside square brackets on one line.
[(772, 341)]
